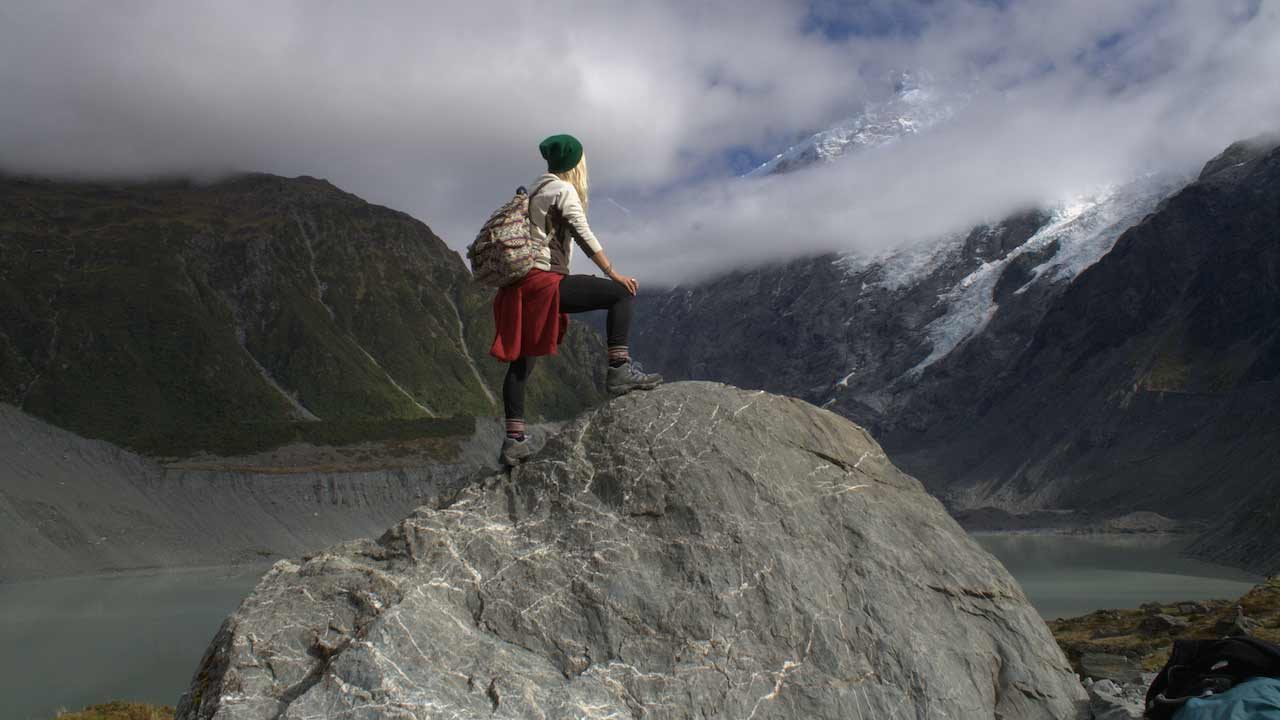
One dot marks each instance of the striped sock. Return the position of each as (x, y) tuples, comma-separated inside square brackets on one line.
[(515, 428), (618, 355)]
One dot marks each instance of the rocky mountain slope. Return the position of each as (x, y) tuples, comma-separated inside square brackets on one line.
[(884, 339), (130, 310), (1152, 381), (71, 506), (695, 551), (1088, 357)]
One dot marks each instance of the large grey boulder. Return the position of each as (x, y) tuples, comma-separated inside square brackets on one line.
[(694, 551)]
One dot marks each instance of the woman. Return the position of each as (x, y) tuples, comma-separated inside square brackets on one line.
[(531, 315)]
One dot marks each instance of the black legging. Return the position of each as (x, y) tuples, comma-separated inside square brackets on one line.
[(578, 293)]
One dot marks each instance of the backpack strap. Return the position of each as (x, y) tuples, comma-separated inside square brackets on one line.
[(529, 214), (538, 189)]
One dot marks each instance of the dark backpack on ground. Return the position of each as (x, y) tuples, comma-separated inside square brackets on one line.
[(1208, 667)]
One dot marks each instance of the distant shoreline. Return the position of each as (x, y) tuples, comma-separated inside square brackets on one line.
[(237, 568), (1080, 532), (1069, 522)]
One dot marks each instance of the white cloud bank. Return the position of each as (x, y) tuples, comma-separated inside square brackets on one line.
[(436, 108)]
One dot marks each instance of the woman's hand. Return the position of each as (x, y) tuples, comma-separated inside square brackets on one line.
[(628, 282), (602, 261)]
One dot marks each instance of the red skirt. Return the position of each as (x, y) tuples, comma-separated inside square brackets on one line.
[(527, 318)]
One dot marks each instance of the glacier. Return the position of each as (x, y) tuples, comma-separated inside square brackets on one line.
[(914, 108), (1083, 226)]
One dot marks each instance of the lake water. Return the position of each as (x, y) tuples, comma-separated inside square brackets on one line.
[(1069, 575), (71, 642)]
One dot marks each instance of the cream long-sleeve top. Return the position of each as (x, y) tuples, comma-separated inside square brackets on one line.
[(556, 206)]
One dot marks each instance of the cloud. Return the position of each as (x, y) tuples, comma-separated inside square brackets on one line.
[(1050, 100), (437, 108), (434, 108)]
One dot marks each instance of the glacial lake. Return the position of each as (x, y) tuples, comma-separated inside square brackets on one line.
[(70, 642), (1069, 575)]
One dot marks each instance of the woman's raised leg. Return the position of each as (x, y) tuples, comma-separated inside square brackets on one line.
[(582, 293)]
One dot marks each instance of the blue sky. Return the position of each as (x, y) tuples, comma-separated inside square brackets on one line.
[(435, 109), (841, 21)]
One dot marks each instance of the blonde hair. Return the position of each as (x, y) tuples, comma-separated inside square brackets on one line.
[(577, 177)]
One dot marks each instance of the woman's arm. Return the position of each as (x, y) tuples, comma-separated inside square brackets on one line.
[(571, 211), (572, 214), (602, 261)]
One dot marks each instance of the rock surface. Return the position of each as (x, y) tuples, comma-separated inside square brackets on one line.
[(1108, 666), (695, 551), (1109, 701), (1162, 623)]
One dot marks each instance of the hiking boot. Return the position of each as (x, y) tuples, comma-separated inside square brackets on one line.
[(515, 451), (627, 377)]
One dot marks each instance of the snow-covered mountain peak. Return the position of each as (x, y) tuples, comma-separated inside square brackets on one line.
[(914, 107)]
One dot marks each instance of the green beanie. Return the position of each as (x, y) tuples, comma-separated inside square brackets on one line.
[(562, 152)]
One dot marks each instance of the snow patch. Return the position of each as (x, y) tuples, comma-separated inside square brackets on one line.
[(913, 109), (902, 267), (1085, 227)]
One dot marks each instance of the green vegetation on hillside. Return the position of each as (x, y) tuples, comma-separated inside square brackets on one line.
[(119, 710), (247, 438), (173, 317)]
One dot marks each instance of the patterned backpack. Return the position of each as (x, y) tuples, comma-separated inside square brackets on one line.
[(504, 251)]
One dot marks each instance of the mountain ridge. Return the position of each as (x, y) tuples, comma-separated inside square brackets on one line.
[(1161, 362), (132, 309)]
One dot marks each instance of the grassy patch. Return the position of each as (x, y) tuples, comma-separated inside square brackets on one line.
[(1130, 632), (119, 710), (1168, 373), (247, 438)]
